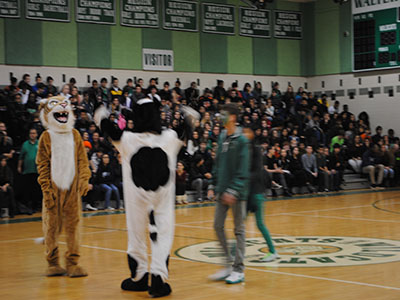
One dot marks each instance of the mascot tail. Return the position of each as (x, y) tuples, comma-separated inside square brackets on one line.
[(152, 227)]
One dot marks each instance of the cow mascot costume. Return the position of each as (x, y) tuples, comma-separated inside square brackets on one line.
[(64, 176), (149, 158)]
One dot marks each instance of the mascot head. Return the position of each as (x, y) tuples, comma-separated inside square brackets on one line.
[(146, 116), (56, 114)]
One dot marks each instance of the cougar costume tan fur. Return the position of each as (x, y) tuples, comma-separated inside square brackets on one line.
[(63, 175)]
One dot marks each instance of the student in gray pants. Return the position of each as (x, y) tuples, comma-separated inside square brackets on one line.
[(230, 181)]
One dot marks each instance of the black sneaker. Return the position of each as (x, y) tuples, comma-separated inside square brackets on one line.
[(136, 286), (158, 287), (287, 193)]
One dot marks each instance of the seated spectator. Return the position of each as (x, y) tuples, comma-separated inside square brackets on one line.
[(115, 91), (334, 108), (355, 152), (309, 162), (388, 161), (276, 173), (193, 143), (324, 174), (165, 93), (7, 199), (219, 91), (336, 165), (181, 178), (105, 178), (6, 142), (138, 93), (283, 162), (192, 93), (199, 176), (371, 165), (339, 139), (392, 138), (378, 135), (90, 198)]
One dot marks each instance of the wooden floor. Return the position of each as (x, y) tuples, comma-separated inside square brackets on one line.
[(361, 214)]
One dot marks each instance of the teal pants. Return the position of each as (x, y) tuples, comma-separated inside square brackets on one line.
[(259, 200)]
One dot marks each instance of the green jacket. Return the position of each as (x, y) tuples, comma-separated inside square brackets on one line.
[(231, 168)]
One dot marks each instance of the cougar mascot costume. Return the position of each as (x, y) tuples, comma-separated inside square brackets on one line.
[(149, 157), (63, 175)]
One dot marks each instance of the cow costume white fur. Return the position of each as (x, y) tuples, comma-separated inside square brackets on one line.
[(149, 157)]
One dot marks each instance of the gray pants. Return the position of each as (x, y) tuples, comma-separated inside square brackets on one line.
[(371, 170), (239, 215), (199, 184)]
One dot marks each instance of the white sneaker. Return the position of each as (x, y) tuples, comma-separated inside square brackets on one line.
[(221, 274), (270, 257), (110, 208), (276, 186), (235, 277), (89, 207)]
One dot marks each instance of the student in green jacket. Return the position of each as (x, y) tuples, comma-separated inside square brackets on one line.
[(256, 190), (230, 178)]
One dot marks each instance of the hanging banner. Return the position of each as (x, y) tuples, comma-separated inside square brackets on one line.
[(158, 60), (48, 10), (288, 25), (99, 11), (140, 13), (180, 15), (218, 18), (254, 22), (9, 8)]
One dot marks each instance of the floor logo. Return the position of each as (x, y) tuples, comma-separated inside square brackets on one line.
[(304, 251)]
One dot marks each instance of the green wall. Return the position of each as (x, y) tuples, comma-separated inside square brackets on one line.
[(322, 50), (327, 31), (2, 41)]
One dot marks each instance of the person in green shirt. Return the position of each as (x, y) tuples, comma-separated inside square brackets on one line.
[(339, 139), (256, 193), (229, 181), (27, 167)]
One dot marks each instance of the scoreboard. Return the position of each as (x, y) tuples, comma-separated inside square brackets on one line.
[(376, 38)]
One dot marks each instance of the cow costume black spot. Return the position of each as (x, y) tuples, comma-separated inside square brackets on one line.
[(149, 157), (150, 168)]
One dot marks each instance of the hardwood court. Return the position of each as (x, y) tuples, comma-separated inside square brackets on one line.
[(362, 215)]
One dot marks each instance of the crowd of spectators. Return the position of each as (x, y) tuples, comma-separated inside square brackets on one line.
[(306, 141)]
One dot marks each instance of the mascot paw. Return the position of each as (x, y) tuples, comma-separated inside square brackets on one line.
[(159, 288), (76, 271), (56, 270), (136, 286)]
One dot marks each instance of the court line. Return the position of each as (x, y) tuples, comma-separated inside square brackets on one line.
[(342, 218), (302, 211), (63, 235), (211, 228), (210, 204), (375, 205), (269, 271)]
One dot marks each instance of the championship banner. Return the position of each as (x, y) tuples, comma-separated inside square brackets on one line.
[(288, 24), (218, 18), (98, 11), (140, 13), (9, 8), (180, 15), (48, 10), (254, 22)]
